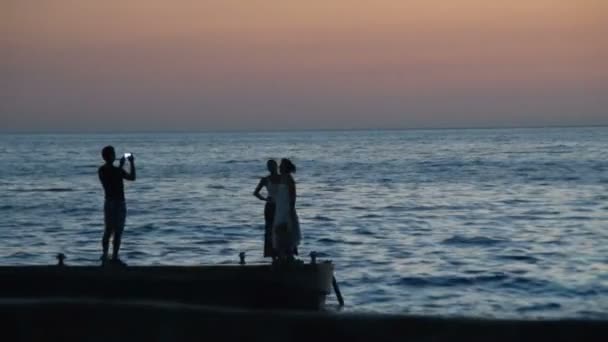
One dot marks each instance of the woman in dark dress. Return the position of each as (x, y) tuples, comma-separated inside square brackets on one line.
[(269, 182)]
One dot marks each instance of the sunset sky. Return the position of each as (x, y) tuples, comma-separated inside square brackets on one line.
[(259, 64)]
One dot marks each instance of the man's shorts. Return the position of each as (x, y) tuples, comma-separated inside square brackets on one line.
[(115, 214)]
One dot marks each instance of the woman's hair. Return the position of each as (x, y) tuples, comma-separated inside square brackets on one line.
[(287, 166)]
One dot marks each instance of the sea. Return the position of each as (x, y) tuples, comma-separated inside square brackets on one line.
[(502, 223)]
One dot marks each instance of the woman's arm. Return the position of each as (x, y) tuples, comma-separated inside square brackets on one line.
[(292, 193), (256, 192)]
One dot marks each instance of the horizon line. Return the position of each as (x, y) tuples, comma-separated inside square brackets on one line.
[(287, 130)]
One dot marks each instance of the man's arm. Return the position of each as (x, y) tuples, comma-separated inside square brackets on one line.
[(256, 192), (131, 175)]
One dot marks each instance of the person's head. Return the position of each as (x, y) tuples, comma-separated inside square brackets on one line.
[(108, 154), (287, 166), (272, 166)]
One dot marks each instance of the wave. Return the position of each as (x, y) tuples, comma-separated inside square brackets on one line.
[(578, 218), (21, 255), (515, 201), (332, 189), (53, 229), (363, 231), (328, 240), (394, 207), (449, 281), (475, 240), (526, 169), (146, 228), (370, 216), (571, 178), (539, 307), (534, 212), (322, 218), (527, 258), (531, 285), (212, 241), (44, 190), (426, 207), (216, 186), (526, 217), (243, 161)]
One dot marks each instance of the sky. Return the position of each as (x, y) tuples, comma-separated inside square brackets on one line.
[(80, 65)]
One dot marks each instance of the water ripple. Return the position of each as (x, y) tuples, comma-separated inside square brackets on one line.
[(475, 240)]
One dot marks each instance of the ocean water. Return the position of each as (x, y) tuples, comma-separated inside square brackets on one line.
[(494, 223)]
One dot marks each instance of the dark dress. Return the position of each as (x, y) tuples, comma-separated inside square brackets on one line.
[(268, 217)]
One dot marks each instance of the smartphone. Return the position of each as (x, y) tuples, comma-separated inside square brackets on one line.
[(127, 155)]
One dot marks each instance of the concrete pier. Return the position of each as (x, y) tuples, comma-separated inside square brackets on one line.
[(297, 286)]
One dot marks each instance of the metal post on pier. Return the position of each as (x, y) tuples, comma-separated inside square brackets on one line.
[(313, 257), (60, 259), (337, 291)]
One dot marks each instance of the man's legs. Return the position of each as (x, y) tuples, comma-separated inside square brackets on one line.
[(105, 242), (108, 223), (116, 244), (121, 215)]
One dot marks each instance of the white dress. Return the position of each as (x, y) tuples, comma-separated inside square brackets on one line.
[(286, 226)]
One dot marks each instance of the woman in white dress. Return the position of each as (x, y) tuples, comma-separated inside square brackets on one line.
[(286, 227)]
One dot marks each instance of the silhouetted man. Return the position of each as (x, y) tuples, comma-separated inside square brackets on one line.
[(115, 208)]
